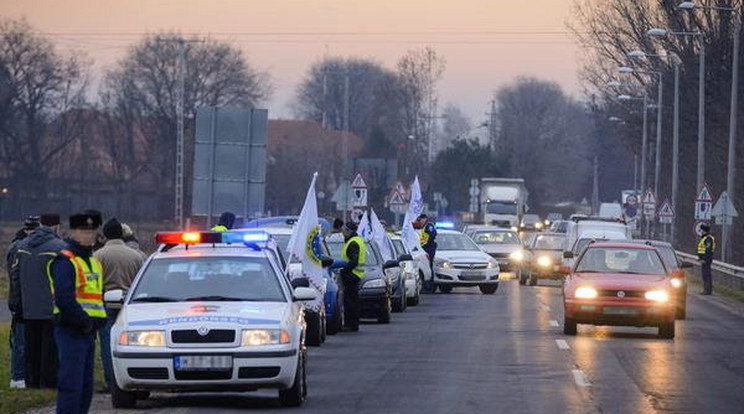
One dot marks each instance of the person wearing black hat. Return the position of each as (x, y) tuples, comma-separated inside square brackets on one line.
[(17, 327), (428, 240), (120, 265), (78, 312), (227, 220), (705, 249), (354, 254), (34, 255)]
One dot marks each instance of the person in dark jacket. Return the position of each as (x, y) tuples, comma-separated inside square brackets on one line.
[(227, 220), (79, 313), (34, 256), (131, 240), (17, 328), (352, 272), (428, 240), (705, 249)]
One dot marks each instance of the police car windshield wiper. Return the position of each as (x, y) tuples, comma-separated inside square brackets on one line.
[(214, 298), (154, 299)]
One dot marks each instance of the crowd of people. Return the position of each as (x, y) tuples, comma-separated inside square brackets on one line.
[(55, 298)]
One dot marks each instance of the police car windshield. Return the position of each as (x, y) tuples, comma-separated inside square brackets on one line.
[(496, 237), (455, 242), (621, 260), (210, 279)]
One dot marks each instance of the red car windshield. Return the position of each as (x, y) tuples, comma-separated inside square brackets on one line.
[(621, 260)]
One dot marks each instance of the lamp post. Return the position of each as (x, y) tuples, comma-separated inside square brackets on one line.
[(731, 171), (701, 97)]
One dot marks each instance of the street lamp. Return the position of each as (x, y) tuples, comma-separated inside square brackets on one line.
[(731, 172), (639, 54), (658, 32), (659, 102)]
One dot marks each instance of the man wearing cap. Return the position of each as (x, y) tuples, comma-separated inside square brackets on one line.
[(227, 220), (705, 249), (354, 254), (428, 240), (34, 255), (17, 328), (77, 285), (130, 240), (120, 265)]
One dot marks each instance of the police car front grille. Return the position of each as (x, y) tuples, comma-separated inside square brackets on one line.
[(192, 336), (470, 266), (148, 373)]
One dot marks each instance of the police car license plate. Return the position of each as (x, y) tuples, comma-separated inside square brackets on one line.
[(619, 310), (202, 362)]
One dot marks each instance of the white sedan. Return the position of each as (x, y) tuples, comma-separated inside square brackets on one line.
[(460, 262), (204, 315)]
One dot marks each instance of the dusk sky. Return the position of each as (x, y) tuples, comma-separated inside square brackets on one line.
[(487, 43)]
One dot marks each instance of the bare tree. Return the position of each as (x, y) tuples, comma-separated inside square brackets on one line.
[(40, 88), (456, 126), (141, 91)]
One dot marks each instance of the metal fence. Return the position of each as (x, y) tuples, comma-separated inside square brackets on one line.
[(723, 273)]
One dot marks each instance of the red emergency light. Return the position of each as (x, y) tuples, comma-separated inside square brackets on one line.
[(189, 237)]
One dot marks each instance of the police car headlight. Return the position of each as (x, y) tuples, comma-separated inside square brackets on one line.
[(442, 263), (544, 261), (374, 283), (493, 264), (517, 256), (258, 337), (142, 338)]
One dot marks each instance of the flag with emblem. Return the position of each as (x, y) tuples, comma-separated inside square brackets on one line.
[(364, 230), (415, 207), (378, 235), (304, 244)]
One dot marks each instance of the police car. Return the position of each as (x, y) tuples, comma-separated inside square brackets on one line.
[(210, 312)]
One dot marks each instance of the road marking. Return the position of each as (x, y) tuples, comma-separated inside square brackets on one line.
[(546, 308), (554, 324), (562, 344), (581, 379)]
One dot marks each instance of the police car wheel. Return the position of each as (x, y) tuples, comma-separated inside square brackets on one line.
[(295, 395), (314, 327), (385, 311), (488, 289), (122, 399)]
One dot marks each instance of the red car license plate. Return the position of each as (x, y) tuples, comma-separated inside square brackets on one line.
[(619, 310)]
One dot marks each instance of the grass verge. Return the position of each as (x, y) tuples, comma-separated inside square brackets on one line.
[(18, 401)]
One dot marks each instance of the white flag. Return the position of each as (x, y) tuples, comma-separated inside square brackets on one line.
[(378, 235), (304, 244), (364, 230), (415, 207)]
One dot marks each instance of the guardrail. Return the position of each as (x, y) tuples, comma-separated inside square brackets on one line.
[(727, 274)]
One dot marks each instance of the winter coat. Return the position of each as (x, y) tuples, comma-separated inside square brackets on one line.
[(34, 255)]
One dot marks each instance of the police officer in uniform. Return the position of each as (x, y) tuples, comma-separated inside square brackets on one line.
[(227, 220), (76, 279), (428, 240), (354, 255), (705, 249)]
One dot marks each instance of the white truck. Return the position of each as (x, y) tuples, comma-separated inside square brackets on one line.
[(503, 201)]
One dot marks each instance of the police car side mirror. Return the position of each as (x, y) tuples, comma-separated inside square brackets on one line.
[(302, 294), (405, 258), (326, 261), (568, 254), (300, 282), (114, 296), (390, 264), (686, 265)]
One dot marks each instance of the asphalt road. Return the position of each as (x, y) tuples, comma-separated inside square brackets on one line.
[(469, 353)]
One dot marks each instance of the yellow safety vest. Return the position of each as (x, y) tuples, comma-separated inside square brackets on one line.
[(701, 244), (219, 228), (88, 284), (358, 271), (423, 237)]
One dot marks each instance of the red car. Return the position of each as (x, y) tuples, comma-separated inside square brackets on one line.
[(619, 283)]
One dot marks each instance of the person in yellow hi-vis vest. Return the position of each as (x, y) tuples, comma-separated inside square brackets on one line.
[(354, 255), (705, 249), (76, 282)]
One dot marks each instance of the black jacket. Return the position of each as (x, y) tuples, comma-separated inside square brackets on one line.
[(34, 254), (14, 288)]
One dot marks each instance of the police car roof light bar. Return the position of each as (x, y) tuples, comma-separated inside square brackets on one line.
[(189, 237), (246, 236), (446, 225)]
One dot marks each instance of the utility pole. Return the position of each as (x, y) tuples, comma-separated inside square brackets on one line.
[(179, 132), (595, 187), (731, 173), (701, 118), (644, 153), (659, 118), (345, 143), (492, 125), (675, 150)]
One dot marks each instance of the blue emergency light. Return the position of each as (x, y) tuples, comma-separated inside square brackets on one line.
[(245, 236), (445, 225)]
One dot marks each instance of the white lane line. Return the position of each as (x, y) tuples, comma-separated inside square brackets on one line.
[(562, 344), (581, 379), (546, 308), (554, 324)]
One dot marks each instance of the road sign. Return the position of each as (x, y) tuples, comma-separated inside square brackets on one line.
[(343, 191), (356, 215), (649, 204), (360, 197), (705, 194), (703, 203), (358, 182), (696, 227), (631, 199), (630, 210), (397, 203), (724, 207), (666, 213), (649, 197)]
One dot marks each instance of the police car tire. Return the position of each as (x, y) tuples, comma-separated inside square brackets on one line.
[(314, 335), (295, 395), (385, 311), (666, 330), (488, 289), (122, 399)]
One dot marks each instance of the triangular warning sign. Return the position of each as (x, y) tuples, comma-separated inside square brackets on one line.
[(396, 198), (666, 209), (705, 195), (358, 182), (649, 197)]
